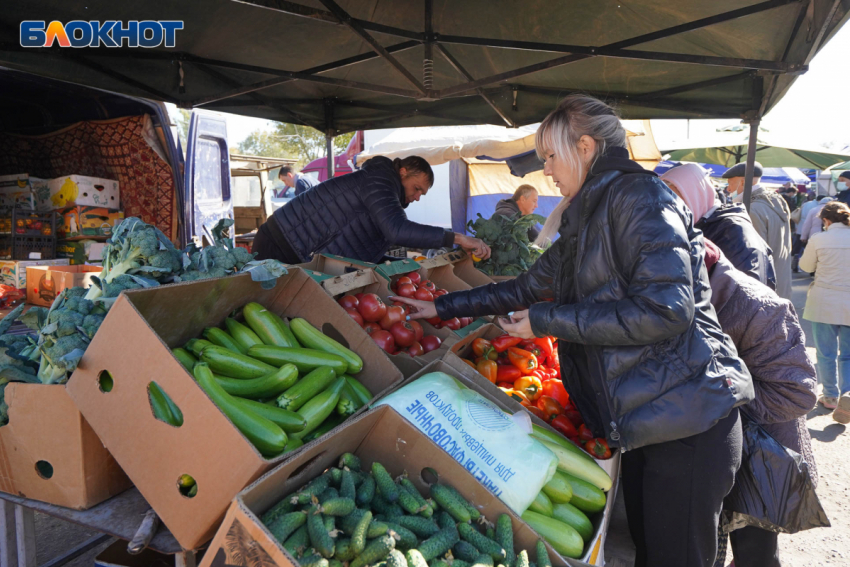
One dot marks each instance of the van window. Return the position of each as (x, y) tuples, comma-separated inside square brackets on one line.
[(207, 180)]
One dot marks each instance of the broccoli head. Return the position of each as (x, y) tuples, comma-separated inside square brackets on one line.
[(119, 284), (91, 324), (60, 357), (68, 322)]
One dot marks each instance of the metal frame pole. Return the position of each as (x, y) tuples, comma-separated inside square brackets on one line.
[(329, 145), (751, 160)]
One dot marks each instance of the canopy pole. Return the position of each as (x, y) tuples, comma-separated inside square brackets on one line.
[(329, 143), (751, 160)]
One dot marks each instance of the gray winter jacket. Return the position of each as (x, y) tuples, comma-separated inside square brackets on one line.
[(768, 336)]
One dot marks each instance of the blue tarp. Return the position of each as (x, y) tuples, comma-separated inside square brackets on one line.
[(714, 169)]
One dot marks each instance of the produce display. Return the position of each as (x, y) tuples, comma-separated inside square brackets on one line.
[(356, 517), (511, 253), (388, 325), (529, 371), (282, 384)]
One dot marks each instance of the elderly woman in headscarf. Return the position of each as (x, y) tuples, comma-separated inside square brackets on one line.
[(727, 225)]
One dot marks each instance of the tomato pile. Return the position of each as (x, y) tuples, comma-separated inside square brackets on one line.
[(529, 371), (414, 287), (387, 325)]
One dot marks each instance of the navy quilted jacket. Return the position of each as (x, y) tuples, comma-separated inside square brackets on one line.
[(359, 215)]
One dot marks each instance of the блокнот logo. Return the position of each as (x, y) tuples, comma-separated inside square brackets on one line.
[(109, 33)]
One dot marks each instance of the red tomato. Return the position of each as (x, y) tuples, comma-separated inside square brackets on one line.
[(415, 349), (403, 333), (385, 340), (359, 296), (430, 342), (429, 285), (439, 292), (407, 290), (434, 321), (403, 280), (465, 321), (415, 278), (371, 328), (372, 308), (393, 316), (404, 306), (355, 314), (348, 302), (420, 332), (453, 324), (423, 294)]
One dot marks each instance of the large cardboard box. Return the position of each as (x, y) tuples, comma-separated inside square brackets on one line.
[(323, 266), (14, 272), (462, 266), (79, 190), (132, 348), (380, 435), (44, 283), (80, 252), (49, 452), (20, 190), (87, 221)]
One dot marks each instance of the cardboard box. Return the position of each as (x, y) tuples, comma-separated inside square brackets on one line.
[(79, 190), (380, 435), (48, 452), (133, 347), (87, 221), (80, 251), (44, 283), (20, 190), (462, 265), (14, 272), (324, 266)]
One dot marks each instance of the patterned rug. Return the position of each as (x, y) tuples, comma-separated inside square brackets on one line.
[(109, 149)]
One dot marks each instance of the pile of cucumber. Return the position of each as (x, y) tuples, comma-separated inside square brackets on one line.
[(281, 384), (357, 518)]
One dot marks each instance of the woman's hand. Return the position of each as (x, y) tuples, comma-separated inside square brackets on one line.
[(518, 325), (424, 309), (472, 245)]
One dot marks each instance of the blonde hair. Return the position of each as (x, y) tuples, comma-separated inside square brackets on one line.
[(576, 116)]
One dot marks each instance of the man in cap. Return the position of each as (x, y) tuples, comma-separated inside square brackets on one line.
[(843, 186), (771, 219)]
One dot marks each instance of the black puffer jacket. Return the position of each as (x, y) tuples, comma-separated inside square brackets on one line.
[(732, 230), (359, 215), (659, 368)]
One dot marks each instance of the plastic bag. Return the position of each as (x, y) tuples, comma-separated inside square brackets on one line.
[(773, 489), (494, 446)]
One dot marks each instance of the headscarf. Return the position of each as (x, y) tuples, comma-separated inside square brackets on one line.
[(692, 182)]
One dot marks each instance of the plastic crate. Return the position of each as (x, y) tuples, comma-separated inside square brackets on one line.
[(23, 247), (33, 223)]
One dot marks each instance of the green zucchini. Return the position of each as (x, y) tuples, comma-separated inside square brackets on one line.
[(586, 497), (310, 337), (306, 388), (267, 437), (359, 390), (293, 444), (305, 359), (234, 365), (186, 358), (330, 423), (543, 434), (558, 489), (349, 402), (197, 346), (164, 409), (242, 334), (220, 337), (542, 504), (579, 467), (562, 537), (574, 517), (287, 420), (317, 409), (264, 387), (284, 327), (266, 326)]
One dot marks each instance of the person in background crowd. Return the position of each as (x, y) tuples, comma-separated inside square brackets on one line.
[(771, 219), (769, 339), (843, 186), (813, 224), (828, 306), (728, 226), (299, 181), (358, 215), (643, 357), (523, 202)]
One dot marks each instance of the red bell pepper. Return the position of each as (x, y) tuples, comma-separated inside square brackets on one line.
[(487, 368), (508, 373), (575, 417), (534, 410), (522, 359), (550, 407), (505, 385), (530, 386), (532, 348), (504, 342), (545, 344), (584, 433), (484, 348), (554, 388), (598, 448), (564, 426)]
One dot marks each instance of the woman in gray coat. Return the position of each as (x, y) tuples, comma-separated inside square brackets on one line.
[(768, 336)]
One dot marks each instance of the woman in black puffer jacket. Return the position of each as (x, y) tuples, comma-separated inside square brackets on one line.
[(626, 291), (359, 215)]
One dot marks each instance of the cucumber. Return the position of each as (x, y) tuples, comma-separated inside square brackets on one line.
[(444, 520), (351, 461), (447, 499), (267, 437), (358, 536), (344, 551), (377, 550), (439, 544), (242, 334), (586, 497), (320, 539), (411, 505), (186, 358), (465, 551), (264, 387), (483, 560), (406, 538), (305, 359), (284, 526), (574, 517), (359, 390), (328, 494), (346, 485), (313, 560), (422, 527), (376, 529), (306, 388), (579, 467), (542, 504), (330, 423), (265, 325), (386, 487), (474, 512), (425, 509), (414, 558), (164, 409), (522, 559), (317, 409), (220, 337), (543, 555), (313, 488), (287, 420), (337, 507), (366, 491), (562, 537), (298, 541), (481, 542), (558, 489), (396, 559), (505, 538), (234, 365), (390, 510), (310, 337), (279, 509), (197, 346)]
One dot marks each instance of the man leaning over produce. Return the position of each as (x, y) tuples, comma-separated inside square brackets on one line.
[(523, 202)]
